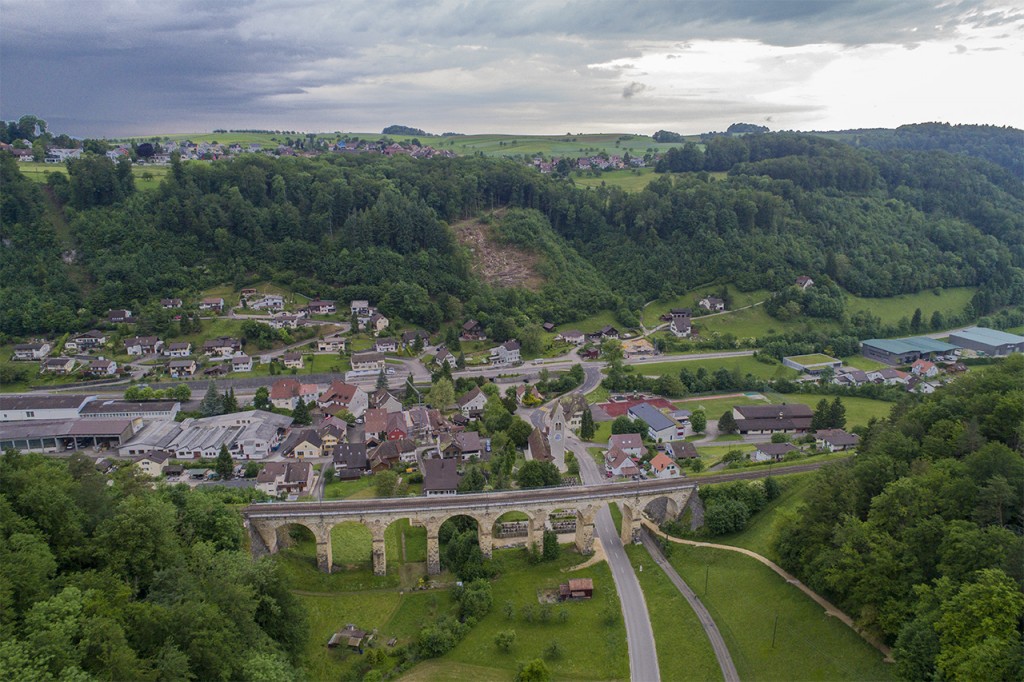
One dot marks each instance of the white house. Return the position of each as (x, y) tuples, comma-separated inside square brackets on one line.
[(630, 443), (472, 403), (33, 351), (335, 343), (368, 360), (506, 354), (659, 427), (618, 463), (178, 349), (664, 466), (241, 363), (680, 325)]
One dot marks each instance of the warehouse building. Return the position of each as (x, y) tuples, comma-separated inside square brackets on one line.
[(991, 342), (905, 351)]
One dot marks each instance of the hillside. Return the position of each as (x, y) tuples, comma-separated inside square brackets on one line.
[(876, 223)]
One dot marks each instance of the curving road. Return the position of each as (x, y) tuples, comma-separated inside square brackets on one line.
[(706, 621), (643, 655)]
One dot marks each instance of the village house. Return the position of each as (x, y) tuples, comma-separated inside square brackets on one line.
[(101, 368), (386, 345), (341, 396), (575, 337), (440, 477), (368, 360), (178, 349), (318, 307), (618, 463), (711, 303), (247, 292), (391, 453), (268, 302), (335, 343), (286, 393), (143, 345), (664, 466), (771, 452), (170, 303), (87, 341), (383, 399), (445, 357), (923, 368), (180, 369), (804, 282), (375, 423), (681, 449), (848, 376), (472, 403), (528, 393), (465, 444), (835, 440), (573, 406), (241, 363), (637, 348), (378, 323), (350, 460), (215, 304), (32, 351), (292, 360), (473, 331), (278, 478), (409, 338), (153, 464), (283, 321), (222, 346), (681, 324), (119, 316), (889, 377), (57, 366), (360, 308), (630, 443), (506, 354), (303, 443)]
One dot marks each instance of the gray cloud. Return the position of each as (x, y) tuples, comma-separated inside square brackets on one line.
[(106, 67)]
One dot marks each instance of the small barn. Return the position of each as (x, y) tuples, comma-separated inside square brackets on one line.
[(576, 588), (350, 636)]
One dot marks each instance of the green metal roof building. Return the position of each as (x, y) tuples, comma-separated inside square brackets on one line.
[(904, 351)]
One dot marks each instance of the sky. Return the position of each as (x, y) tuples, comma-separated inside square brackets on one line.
[(110, 68)]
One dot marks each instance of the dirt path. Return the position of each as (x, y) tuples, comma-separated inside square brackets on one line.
[(597, 557), (830, 608)]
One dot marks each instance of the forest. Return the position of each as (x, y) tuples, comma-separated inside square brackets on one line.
[(919, 537), (875, 222), (123, 582)]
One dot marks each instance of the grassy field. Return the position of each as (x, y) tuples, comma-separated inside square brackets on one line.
[(746, 599), (861, 362), (812, 359), (342, 490), (602, 432), (633, 180), (656, 309), (746, 364), (146, 177), (592, 323), (755, 322), (892, 309), (684, 652), (714, 406), (858, 410)]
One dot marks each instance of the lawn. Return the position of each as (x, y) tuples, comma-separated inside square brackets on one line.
[(653, 312), (340, 490), (777, 467), (747, 599), (858, 410), (746, 364), (684, 652), (812, 359), (629, 180), (755, 322), (592, 649), (861, 362), (714, 406), (146, 177), (894, 308), (592, 323), (759, 535), (602, 432)]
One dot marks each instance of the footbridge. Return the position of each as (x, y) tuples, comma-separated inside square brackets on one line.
[(265, 521)]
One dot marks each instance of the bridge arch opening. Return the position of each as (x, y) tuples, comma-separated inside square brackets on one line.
[(351, 546), (514, 529), (405, 546), (662, 509), (296, 542), (460, 552)]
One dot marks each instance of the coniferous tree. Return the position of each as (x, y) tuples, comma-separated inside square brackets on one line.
[(587, 426), (301, 413), (224, 464), (837, 414), (212, 403), (727, 423), (822, 418), (382, 380)]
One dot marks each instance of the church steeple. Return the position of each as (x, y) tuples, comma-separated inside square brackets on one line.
[(556, 435)]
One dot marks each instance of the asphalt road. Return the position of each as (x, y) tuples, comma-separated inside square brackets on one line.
[(643, 655), (706, 621)]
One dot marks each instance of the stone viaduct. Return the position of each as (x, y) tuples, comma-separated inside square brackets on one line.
[(265, 520)]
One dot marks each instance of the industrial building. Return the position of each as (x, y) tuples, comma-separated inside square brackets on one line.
[(991, 342), (905, 351)]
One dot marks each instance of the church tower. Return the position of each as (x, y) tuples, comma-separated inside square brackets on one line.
[(556, 435)]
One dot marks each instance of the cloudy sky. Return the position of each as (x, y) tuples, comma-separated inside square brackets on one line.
[(134, 67)]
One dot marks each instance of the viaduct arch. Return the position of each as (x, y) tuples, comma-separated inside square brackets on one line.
[(265, 519)]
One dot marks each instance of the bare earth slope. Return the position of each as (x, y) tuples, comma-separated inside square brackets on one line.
[(498, 263)]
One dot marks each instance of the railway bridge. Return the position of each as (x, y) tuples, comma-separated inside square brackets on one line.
[(264, 521)]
